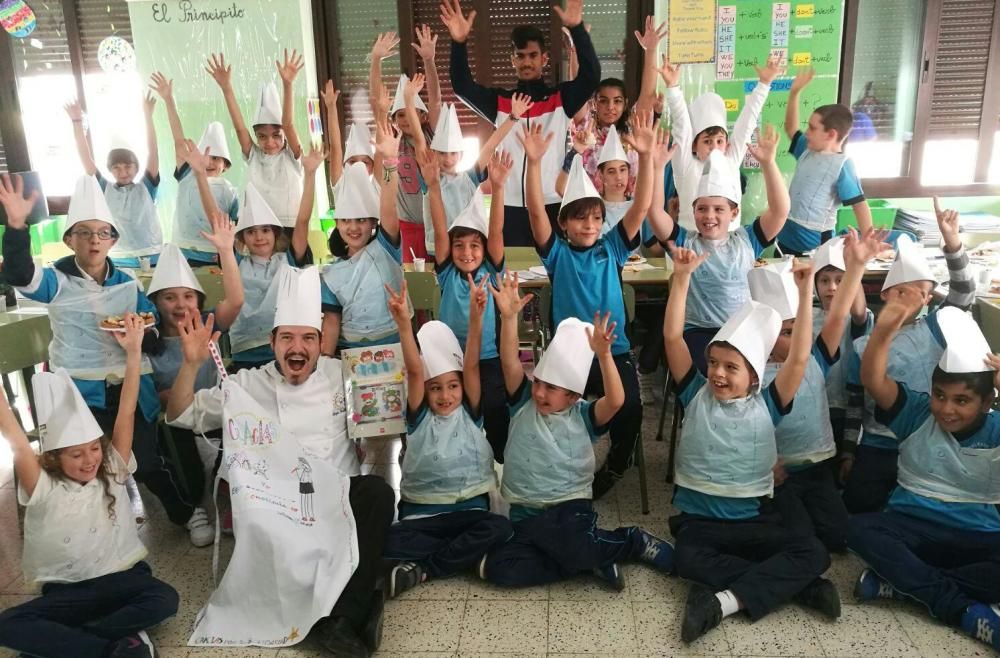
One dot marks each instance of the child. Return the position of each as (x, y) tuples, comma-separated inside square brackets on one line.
[(805, 493), (824, 177), (190, 218), (736, 552), (585, 270), (354, 297), (549, 460), (133, 206), (80, 543), (457, 189), (471, 248), (719, 288), (938, 539), (868, 469), (445, 526), (82, 291), (704, 130)]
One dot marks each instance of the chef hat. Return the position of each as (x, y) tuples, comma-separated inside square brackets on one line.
[(612, 149), (121, 150), (719, 178), (298, 299), (439, 349), (774, 285), (910, 264), (172, 271), (399, 103), (359, 142), (254, 211), (357, 198), (214, 139), (268, 106), (830, 253), (568, 357), (578, 184), (63, 417), (473, 215), (707, 111), (967, 347), (88, 202), (448, 133), (752, 330)]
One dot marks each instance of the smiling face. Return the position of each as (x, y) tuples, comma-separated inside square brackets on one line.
[(711, 139), (91, 250), (173, 304), (296, 351), (712, 216), (444, 393), (581, 221), (270, 137), (529, 62), (356, 233), (216, 166), (827, 282), (614, 179), (81, 462), (449, 161), (468, 249), (124, 172), (609, 104), (550, 399), (259, 240), (956, 406), (729, 375)]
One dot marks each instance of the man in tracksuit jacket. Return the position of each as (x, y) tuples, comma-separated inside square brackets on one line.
[(554, 106)]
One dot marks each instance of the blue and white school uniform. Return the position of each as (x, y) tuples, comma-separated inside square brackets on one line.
[(250, 335), (614, 211), (836, 377), (133, 207), (456, 192), (278, 178), (190, 219)]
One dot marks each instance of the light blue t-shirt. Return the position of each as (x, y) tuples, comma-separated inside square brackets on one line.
[(454, 309)]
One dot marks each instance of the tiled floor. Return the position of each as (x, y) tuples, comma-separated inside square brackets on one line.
[(465, 617)]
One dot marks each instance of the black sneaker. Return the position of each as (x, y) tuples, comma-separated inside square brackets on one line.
[(404, 576), (133, 646), (612, 575), (821, 595), (604, 480), (373, 626), (702, 613), (339, 637)]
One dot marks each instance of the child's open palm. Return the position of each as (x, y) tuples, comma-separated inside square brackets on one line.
[(161, 85), (196, 159), (535, 144), (148, 103), (642, 133), (803, 78), (508, 298), (766, 148), (413, 86), (216, 67), (500, 165), (430, 167), (312, 160), (662, 150), (385, 45), (329, 94), (859, 249), (685, 260), (670, 73), (771, 70), (397, 304), (196, 335), (290, 66), (519, 105), (426, 45), (16, 205), (131, 339), (74, 111), (223, 235), (603, 336), (386, 138), (651, 35)]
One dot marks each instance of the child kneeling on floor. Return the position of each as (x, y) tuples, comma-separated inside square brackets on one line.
[(80, 541), (938, 539), (549, 459), (740, 556), (445, 525)]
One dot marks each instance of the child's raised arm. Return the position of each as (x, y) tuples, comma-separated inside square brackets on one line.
[(678, 355), (535, 145), (659, 219), (430, 171), (131, 342), (75, 114), (153, 151), (387, 151), (165, 88), (426, 47), (300, 235), (778, 203), (26, 464), (642, 138), (648, 40), (334, 146), (790, 376), (802, 78), (288, 69), (223, 237), (473, 342), (400, 312), (680, 118), (195, 336), (410, 91), (519, 106), (199, 162), (601, 339), (384, 46), (499, 168), (903, 304), (857, 252), (223, 76), (509, 304), (582, 139), (961, 287)]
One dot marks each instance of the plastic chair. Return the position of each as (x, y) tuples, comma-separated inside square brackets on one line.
[(425, 295)]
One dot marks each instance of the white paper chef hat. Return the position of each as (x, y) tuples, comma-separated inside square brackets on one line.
[(120, 142), (88, 202), (612, 149), (214, 139), (172, 271), (752, 330), (63, 417), (910, 264), (774, 285), (299, 299), (578, 184), (967, 347), (254, 211), (448, 133), (359, 142), (568, 357), (357, 198), (706, 111), (440, 350), (719, 178), (830, 253), (473, 215), (268, 106), (399, 103)]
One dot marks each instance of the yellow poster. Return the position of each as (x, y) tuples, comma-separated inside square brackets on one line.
[(692, 31)]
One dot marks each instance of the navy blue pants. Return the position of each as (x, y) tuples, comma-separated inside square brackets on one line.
[(493, 401), (810, 504), (447, 544), (85, 619), (946, 569), (559, 543), (624, 428), (764, 564), (872, 479)]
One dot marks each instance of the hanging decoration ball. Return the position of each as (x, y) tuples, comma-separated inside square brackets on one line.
[(17, 18), (116, 55)]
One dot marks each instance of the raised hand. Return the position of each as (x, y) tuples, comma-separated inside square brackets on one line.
[(802, 273), (859, 249), (220, 72), (15, 204), (508, 298), (642, 134), (802, 78), (131, 339), (534, 143), (658, 104), (197, 160), (947, 221), (196, 335), (426, 45), (223, 235), (584, 138), (651, 36), (477, 297), (312, 160), (685, 260), (771, 70), (290, 66), (382, 102), (385, 45), (329, 94), (398, 308), (161, 85), (386, 138), (766, 148), (430, 167), (74, 111), (413, 86), (603, 336), (903, 303), (148, 103), (572, 15), (519, 105), (500, 165), (662, 150), (459, 25), (671, 73)]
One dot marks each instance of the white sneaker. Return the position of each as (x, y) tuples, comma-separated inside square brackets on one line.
[(199, 529), (149, 643)]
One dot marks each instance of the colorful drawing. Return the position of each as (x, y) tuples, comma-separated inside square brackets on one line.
[(306, 491), (116, 55), (393, 401), (369, 405), (17, 18)]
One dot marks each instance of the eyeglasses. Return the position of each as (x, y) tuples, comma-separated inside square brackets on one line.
[(104, 234)]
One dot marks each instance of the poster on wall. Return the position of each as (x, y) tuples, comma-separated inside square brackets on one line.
[(691, 39)]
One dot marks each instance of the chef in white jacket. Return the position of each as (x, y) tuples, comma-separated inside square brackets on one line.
[(305, 392)]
